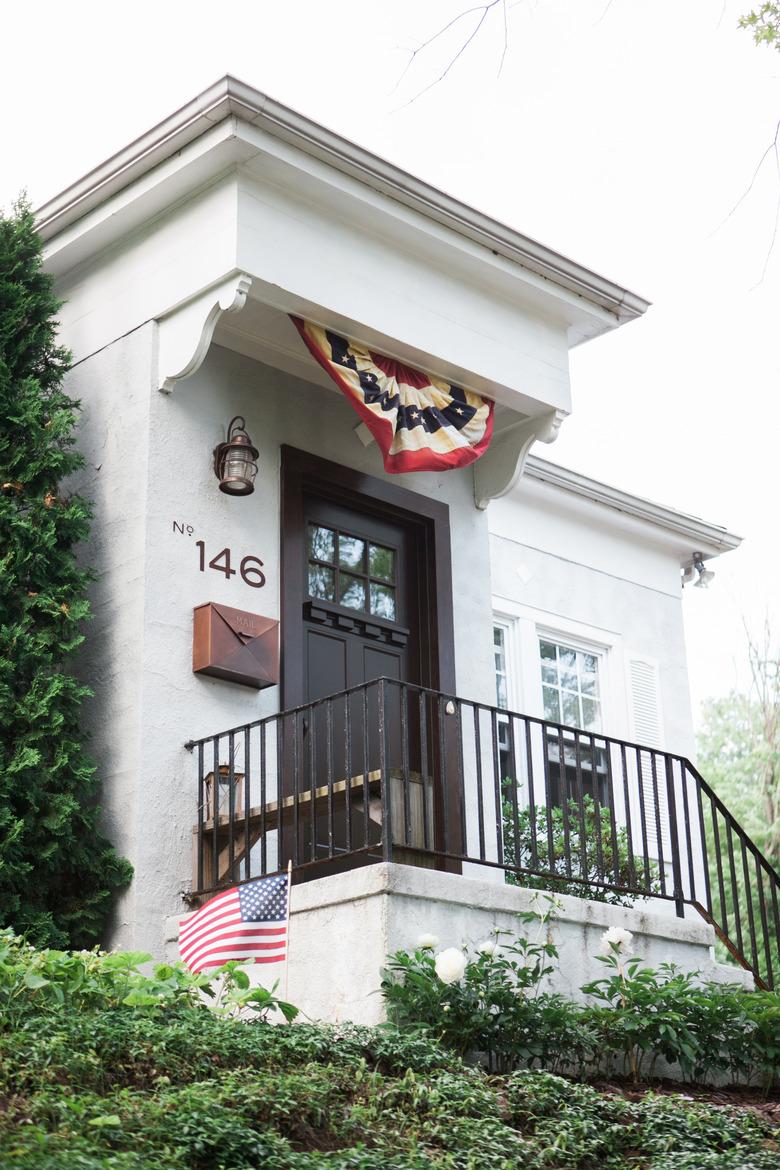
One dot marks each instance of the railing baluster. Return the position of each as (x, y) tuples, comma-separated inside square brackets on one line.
[(773, 885), (201, 798), (659, 835), (531, 803), (704, 850), (600, 874), (387, 825), (478, 770), (280, 793), (640, 780), (750, 910), (767, 972), (329, 769), (263, 800), (215, 816), (627, 809), (247, 811), (687, 824), (424, 767), (366, 781), (564, 806), (461, 778), (498, 790), (348, 776), (674, 840), (443, 785), (405, 777), (584, 870), (296, 828), (734, 890), (724, 920), (613, 831)]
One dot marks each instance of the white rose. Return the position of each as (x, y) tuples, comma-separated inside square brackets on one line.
[(488, 947), (616, 940), (427, 942), (450, 965)]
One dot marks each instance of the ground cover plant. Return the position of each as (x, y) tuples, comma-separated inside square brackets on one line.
[(104, 1068)]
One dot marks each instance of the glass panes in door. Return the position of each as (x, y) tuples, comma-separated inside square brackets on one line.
[(352, 572)]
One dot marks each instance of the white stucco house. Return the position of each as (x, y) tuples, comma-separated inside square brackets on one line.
[(527, 621)]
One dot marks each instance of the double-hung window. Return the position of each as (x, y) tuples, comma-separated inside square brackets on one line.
[(571, 682)]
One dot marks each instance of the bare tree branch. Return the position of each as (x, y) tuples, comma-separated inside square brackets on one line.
[(772, 147), (483, 9)]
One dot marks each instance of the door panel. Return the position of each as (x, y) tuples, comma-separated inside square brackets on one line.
[(366, 594)]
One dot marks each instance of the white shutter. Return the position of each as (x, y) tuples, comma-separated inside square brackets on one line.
[(648, 731)]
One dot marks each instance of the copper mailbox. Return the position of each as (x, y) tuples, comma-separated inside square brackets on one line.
[(238, 646)]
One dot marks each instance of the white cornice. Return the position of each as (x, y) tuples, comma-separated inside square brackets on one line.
[(708, 538), (232, 98)]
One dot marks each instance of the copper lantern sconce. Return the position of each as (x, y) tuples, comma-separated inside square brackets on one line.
[(235, 463)]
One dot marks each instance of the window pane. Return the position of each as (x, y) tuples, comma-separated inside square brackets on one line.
[(569, 680), (501, 698), (353, 591), (381, 562), (352, 552), (571, 710), (590, 715), (552, 709), (547, 650), (549, 673), (321, 543), (383, 601), (589, 684), (567, 658), (321, 582)]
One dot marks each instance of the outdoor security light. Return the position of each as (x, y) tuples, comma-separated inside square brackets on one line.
[(234, 461), (705, 575)]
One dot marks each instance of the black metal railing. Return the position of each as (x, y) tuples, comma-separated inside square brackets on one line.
[(391, 771)]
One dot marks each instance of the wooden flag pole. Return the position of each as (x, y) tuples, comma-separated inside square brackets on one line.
[(287, 929)]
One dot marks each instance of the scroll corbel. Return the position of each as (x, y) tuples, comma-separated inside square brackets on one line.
[(184, 334), (499, 469)]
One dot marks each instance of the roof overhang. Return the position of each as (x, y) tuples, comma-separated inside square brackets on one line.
[(163, 149), (689, 533)]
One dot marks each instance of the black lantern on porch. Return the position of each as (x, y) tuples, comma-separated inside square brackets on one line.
[(235, 461)]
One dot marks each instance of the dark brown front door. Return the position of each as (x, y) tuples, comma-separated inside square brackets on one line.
[(360, 616), (366, 594)]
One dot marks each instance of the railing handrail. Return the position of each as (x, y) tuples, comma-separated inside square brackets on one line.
[(504, 712)]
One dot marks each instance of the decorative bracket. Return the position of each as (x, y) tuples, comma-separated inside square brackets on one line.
[(499, 469), (184, 335)]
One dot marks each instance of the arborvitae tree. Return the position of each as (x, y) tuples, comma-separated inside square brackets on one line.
[(58, 874)]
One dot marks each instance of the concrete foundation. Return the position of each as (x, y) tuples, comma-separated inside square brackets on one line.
[(342, 928)]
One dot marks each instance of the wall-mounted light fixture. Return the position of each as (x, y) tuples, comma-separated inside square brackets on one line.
[(697, 566), (235, 461)]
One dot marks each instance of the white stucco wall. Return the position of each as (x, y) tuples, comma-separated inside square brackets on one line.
[(150, 796), (342, 929), (115, 389), (572, 564)]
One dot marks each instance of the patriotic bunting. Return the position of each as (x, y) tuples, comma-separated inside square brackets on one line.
[(420, 423)]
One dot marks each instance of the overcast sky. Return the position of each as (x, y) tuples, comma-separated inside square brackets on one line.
[(619, 133)]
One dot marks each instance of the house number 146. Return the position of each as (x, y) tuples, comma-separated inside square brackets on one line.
[(250, 569)]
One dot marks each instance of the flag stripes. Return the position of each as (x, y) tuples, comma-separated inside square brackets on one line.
[(247, 922)]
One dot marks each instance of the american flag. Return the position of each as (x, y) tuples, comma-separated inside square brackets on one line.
[(247, 922)]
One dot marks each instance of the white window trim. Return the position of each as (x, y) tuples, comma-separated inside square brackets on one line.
[(525, 625)]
